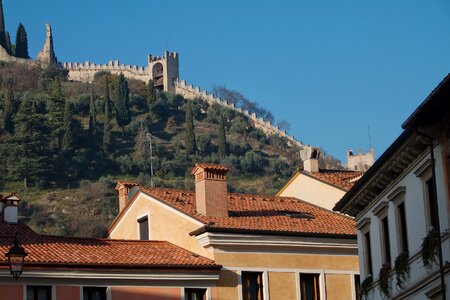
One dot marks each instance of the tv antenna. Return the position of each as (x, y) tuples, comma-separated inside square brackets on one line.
[(370, 139)]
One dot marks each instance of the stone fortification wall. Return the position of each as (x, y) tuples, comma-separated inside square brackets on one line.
[(191, 92), (4, 56), (85, 72)]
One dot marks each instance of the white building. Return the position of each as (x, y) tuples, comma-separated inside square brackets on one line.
[(395, 208)]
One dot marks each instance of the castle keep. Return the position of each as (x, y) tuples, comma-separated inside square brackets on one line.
[(163, 70)]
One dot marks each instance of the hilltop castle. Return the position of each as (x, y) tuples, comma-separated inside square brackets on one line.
[(164, 72)]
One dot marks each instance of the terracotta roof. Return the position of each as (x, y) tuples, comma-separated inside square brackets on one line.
[(99, 253), (342, 179), (208, 166), (258, 213)]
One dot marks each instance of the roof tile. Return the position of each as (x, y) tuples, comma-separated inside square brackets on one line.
[(262, 213)]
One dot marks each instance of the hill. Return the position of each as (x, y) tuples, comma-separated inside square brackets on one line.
[(54, 153)]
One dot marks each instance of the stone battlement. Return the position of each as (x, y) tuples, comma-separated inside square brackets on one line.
[(111, 65), (188, 91), (173, 55), (86, 71)]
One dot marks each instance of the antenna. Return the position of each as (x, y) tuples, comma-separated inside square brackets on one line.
[(370, 140)]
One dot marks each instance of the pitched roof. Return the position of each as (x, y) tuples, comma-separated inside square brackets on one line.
[(84, 253), (259, 214), (342, 179)]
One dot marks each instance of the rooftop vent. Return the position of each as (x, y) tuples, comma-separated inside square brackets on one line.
[(297, 215)]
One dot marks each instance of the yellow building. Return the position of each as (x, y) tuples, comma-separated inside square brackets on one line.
[(318, 186), (269, 247)]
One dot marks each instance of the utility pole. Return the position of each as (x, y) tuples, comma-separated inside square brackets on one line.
[(148, 136)]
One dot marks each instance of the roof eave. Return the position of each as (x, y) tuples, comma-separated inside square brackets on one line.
[(204, 229)]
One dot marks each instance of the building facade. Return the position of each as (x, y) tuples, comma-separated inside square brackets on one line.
[(269, 247), (61, 268), (318, 186), (401, 206)]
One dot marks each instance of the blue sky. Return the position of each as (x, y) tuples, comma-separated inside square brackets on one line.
[(330, 68)]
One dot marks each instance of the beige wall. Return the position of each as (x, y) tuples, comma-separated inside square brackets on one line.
[(165, 225), (293, 261), (337, 286), (282, 269), (282, 286), (227, 287), (145, 293), (313, 191)]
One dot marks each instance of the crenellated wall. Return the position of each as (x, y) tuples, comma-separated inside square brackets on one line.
[(188, 91), (163, 70), (85, 72)]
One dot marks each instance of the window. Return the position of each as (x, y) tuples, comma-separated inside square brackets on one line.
[(368, 254), (37, 292), (143, 229), (402, 231), (357, 287), (195, 294), (309, 286), (252, 286), (431, 201), (385, 240), (94, 293)]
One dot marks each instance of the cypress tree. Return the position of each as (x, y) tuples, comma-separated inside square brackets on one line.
[(8, 111), (55, 107), (107, 122), (30, 150), (2, 27), (92, 116), (68, 138), (189, 132), (222, 139), (141, 145), (122, 102), (21, 42), (151, 95), (9, 47)]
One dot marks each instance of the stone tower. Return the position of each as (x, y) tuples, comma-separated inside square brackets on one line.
[(360, 162), (164, 70), (2, 27), (47, 55)]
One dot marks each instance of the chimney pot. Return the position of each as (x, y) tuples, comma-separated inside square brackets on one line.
[(211, 195), (11, 211), (123, 187)]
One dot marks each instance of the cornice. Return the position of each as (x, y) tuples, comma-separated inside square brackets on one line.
[(250, 241)]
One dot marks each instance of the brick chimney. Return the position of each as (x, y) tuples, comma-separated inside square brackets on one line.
[(11, 208), (310, 157), (123, 187), (211, 196)]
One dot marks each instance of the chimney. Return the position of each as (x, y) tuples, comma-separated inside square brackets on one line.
[(211, 196), (124, 187), (11, 212), (310, 157)]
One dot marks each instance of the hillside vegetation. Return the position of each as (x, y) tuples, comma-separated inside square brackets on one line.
[(63, 146)]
